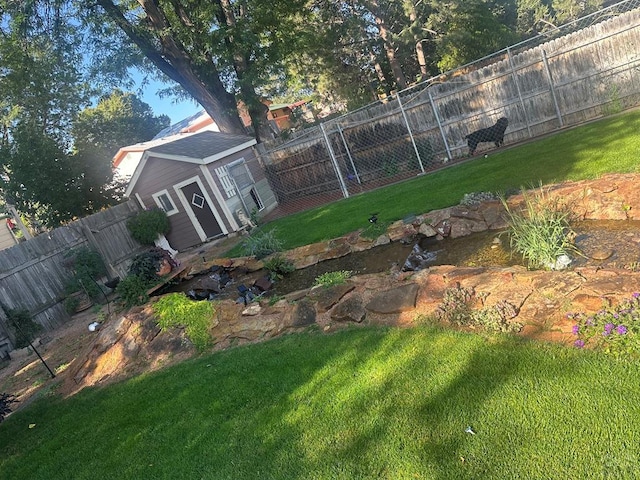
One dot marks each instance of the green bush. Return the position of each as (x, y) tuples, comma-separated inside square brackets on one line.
[(86, 266), (329, 279), (146, 265), (132, 290), (261, 244), (24, 328), (176, 310), (147, 225), (278, 266), (541, 230)]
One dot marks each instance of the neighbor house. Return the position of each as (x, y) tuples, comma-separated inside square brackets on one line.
[(208, 182)]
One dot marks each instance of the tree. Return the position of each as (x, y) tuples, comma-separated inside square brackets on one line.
[(214, 50)]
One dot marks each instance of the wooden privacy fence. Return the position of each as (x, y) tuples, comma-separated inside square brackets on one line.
[(33, 273), (579, 72)]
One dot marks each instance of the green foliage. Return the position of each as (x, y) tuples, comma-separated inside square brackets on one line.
[(23, 326), (146, 264), (87, 267), (614, 330), (279, 266), (176, 310), (6, 400), (262, 243), (147, 225), (541, 230), (329, 279), (71, 304), (132, 290), (457, 308)]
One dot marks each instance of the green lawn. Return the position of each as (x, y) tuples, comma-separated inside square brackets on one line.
[(364, 403), (609, 145)]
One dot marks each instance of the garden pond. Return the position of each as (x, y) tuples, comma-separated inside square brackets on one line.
[(606, 244)]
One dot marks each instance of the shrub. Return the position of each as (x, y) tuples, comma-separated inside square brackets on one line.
[(278, 266), (541, 232), (261, 244), (614, 330), (86, 266), (24, 327), (6, 399), (329, 279), (147, 264), (133, 290), (175, 310), (147, 225), (456, 308)]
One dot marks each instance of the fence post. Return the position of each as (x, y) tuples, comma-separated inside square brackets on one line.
[(334, 161), (517, 84), (551, 87), (346, 147), (435, 113), (413, 142)]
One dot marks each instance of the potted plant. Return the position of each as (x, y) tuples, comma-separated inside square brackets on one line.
[(149, 227)]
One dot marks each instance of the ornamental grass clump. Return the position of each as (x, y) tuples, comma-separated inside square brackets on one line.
[(540, 231), (614, 330)]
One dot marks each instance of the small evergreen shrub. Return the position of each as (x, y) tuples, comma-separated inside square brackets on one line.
[(147, 264), (176, 310), (25, 329), (87, 267), (132, 290), (147, 225)]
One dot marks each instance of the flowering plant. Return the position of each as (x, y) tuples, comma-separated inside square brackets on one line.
[(614, 330)]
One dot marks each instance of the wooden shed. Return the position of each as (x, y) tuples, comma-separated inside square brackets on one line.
[(209, 183)]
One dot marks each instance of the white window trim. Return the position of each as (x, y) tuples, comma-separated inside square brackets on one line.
[(156, 197)]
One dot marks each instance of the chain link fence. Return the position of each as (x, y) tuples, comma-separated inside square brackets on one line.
[(581, 71)]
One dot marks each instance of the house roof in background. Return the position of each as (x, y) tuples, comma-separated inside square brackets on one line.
[(189, 124)]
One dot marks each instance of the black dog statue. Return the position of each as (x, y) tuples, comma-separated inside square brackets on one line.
[(493, 134)]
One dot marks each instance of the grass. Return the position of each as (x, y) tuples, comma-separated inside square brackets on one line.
[(589, 151), (358, 404)]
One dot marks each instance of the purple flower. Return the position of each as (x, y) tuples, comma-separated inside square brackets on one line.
[(609, 327), (621, 329), (636, 295), (579, 343), (589, 322), (575, 329)]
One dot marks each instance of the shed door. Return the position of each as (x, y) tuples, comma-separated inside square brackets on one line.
[(202, 210)]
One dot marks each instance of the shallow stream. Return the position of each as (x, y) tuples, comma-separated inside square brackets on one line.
[(613, 244)]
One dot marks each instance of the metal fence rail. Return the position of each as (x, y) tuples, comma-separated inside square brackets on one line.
[(578, 72)]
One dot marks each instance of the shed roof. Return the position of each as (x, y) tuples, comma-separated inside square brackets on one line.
[(199, 148), (203, 145)]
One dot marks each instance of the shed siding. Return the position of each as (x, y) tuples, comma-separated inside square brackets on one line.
[(159, 174)]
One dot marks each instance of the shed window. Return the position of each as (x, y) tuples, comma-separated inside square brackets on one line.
[(225, 180), (164, 201)]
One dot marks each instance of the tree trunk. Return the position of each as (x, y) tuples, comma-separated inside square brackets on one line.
[(202, 82), (241, 65), (413, 17)]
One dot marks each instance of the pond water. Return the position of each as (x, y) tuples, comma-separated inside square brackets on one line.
[(614, 244)]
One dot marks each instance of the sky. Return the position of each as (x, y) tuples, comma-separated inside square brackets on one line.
[(166, 106)]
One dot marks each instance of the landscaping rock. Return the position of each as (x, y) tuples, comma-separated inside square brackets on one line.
[(325, 298), (349, 310), (395, 300)]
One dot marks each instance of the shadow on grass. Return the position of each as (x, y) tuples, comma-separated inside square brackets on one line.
[(361, 403)]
